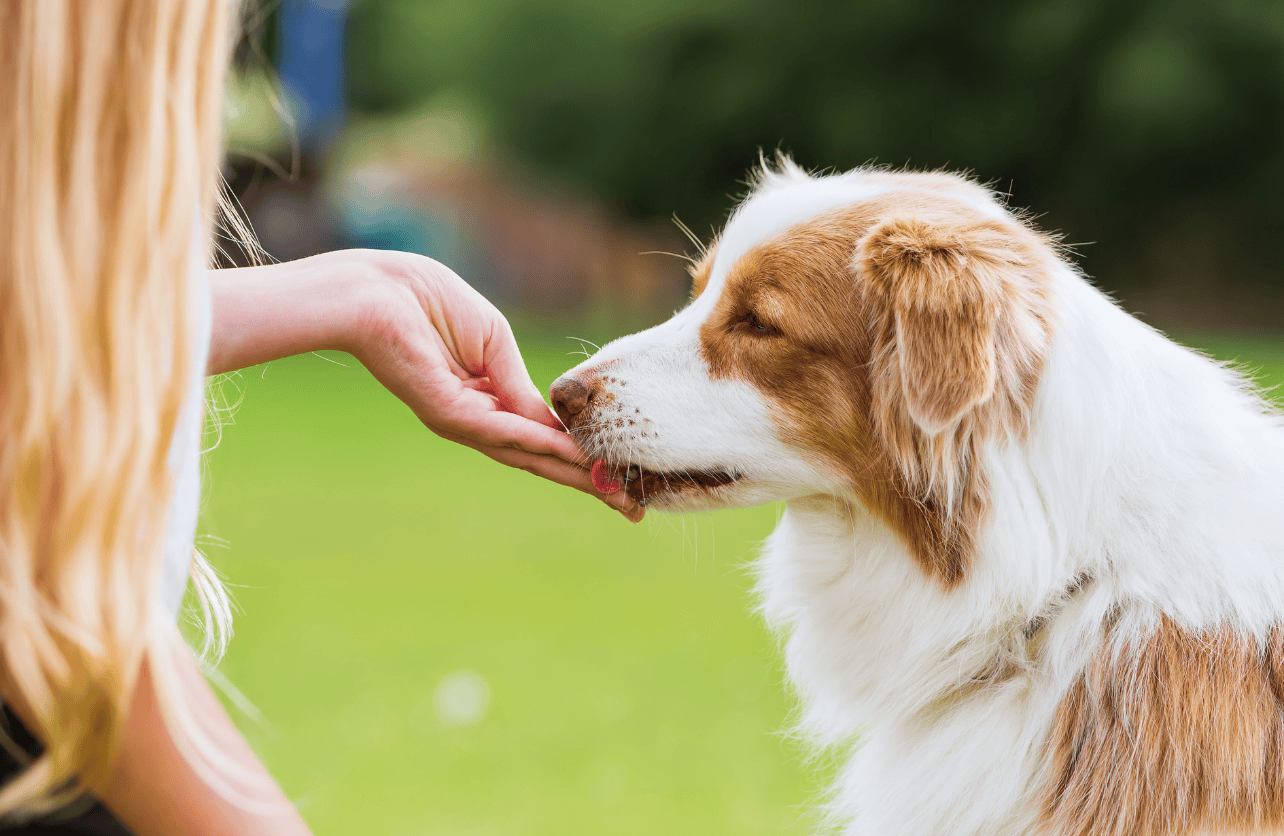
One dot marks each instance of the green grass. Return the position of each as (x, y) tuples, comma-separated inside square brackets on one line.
[(631, 689)]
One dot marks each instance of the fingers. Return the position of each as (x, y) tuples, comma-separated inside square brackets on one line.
[(537, 449), (475, 341), (635, 514), (510, 380), (464, 376), (557, 470), (473, 417)]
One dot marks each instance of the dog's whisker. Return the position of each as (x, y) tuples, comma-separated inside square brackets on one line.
[(584, 342)]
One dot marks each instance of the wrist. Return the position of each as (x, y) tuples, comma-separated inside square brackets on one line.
[(273, 311), (375, 300), (352, 293)]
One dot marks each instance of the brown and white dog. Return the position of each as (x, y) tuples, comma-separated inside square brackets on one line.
[(1033, 555)]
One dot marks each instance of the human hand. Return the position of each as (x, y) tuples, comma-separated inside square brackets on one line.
[(443, 349)]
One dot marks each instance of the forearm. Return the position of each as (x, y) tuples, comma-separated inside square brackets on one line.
[(265, 313)]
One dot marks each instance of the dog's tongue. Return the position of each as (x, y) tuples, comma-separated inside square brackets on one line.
[(601, 481)]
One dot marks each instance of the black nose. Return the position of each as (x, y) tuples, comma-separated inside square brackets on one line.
[(570, 397)]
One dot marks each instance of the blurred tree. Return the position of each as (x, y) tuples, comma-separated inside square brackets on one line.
[(1152, 127)]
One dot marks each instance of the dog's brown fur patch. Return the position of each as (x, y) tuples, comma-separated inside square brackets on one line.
[(895, 336), (1180, 733), (701, 268)]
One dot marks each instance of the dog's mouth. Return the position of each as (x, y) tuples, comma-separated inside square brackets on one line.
[(644, 485)]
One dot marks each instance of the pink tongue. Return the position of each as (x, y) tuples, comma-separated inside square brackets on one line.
[(602, 482)]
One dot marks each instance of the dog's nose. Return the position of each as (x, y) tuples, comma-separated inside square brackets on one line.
[(570, 397)]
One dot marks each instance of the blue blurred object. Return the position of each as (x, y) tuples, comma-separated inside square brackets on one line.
[(311, 65)]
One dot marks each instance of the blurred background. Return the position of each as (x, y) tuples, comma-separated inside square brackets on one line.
[(439, 646)]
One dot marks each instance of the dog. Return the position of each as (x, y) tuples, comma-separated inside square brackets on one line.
[(1031, 568)]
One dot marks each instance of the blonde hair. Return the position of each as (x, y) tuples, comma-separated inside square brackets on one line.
[(110, 140)]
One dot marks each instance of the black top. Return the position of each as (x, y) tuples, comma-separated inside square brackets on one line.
[(84, 818)]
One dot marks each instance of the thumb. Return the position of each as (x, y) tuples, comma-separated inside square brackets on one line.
[(511, 382)]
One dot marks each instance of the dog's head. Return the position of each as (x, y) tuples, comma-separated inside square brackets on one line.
[(866, 335)]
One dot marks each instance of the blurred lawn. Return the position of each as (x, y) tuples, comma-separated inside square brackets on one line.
[(444, 646)]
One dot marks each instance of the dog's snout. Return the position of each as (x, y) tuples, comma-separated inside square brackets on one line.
[(570, 397)]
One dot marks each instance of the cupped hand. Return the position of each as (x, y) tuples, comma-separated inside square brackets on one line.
[(443, 349)]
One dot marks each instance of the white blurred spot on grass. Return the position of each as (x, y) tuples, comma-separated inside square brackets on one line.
[(461, 698)]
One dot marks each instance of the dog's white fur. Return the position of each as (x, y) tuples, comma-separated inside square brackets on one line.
[(1146, 466)]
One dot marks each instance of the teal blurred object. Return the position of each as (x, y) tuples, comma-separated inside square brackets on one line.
[(390, 225), (441, 645)]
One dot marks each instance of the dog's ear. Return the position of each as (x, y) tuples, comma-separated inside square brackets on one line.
[(935, 288), (959, 325)]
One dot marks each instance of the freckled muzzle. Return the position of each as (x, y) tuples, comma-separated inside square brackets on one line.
[(574, 398)]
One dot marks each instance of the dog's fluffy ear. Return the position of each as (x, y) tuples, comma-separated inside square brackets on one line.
[(936, 288), (959, 327)]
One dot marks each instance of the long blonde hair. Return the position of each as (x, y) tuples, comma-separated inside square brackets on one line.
[(110, 140)]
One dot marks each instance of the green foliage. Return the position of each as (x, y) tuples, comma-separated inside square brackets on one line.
[(1138, 124)]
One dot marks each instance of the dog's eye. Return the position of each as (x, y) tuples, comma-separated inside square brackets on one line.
[(747, 322), (757, 326)]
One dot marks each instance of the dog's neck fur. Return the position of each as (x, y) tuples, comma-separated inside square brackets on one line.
[(1138, 494)]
